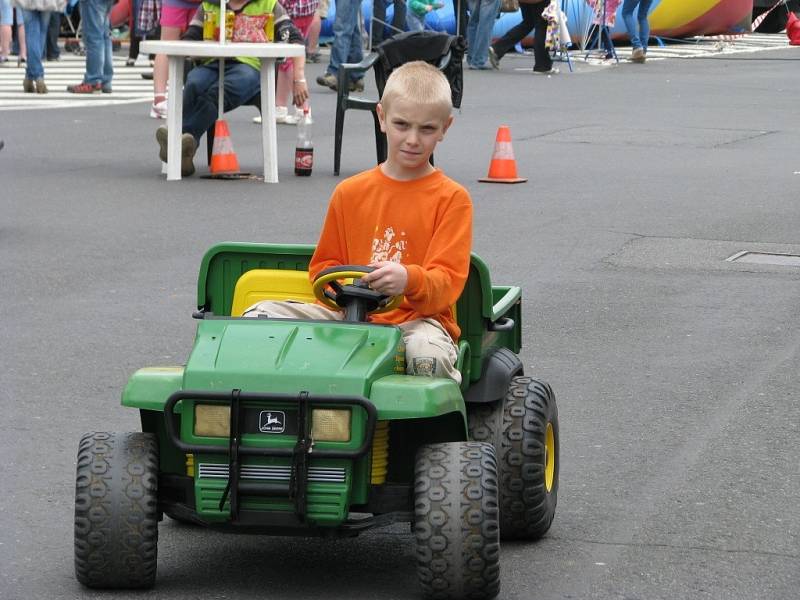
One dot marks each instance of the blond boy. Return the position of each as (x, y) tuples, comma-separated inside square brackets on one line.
[(406, 219)]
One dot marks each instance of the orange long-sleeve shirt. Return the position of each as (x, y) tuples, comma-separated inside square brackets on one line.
[(425, 224)]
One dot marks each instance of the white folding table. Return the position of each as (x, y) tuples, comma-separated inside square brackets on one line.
[(177, 51)]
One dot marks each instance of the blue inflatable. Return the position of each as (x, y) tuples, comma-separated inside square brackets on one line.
[(667, 17)]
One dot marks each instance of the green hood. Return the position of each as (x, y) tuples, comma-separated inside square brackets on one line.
[(287, 356)]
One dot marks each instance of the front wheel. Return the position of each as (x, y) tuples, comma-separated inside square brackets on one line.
[(455, 516), (116, 510), (523, 427)]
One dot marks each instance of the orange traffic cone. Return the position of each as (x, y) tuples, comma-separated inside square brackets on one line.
[(503, 168), (223, 158), (793, 29)]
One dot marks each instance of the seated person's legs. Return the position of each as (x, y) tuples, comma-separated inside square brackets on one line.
[(430, 351), (291, 310), (201, 92)]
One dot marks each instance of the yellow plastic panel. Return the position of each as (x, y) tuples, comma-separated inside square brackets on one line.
[(270, 284)]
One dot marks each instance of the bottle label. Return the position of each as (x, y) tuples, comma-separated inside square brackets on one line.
[(304, 158)]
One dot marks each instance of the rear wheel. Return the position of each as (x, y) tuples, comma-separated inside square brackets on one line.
[(116, 510), (455, 515), (523, 427)]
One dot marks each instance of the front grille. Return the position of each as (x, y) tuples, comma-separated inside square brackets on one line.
[(272, 472)]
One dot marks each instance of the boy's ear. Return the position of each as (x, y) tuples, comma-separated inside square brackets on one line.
[(446, 126), (381, 116)]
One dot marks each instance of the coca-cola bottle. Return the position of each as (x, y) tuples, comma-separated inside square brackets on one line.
[(304, 150)]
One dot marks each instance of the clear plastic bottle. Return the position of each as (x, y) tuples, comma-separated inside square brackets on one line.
[(304, 150)]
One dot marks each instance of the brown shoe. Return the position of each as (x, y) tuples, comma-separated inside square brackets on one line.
[(28, 87), (41, 88), (638, 55)]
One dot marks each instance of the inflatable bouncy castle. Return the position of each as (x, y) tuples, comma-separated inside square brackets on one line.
[(668, 18)]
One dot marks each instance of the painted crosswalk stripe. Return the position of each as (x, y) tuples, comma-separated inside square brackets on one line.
[(128, 85)]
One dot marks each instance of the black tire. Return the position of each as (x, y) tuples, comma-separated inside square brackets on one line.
[(522, 426), (116, 510), (456, 521)]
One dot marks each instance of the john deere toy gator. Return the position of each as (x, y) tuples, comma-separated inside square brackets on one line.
[(311, 428)]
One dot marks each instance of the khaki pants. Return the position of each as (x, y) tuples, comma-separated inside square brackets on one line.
[(430, 352)]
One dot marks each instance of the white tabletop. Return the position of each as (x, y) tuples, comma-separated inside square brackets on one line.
[(216, 50)]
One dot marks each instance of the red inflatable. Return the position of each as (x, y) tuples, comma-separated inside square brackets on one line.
[(793, 29)]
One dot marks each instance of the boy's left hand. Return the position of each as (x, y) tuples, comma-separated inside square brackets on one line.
[(389, 278)]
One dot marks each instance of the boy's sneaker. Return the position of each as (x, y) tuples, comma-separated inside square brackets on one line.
[(637, 55), (553, 71), (85, 88), (158, 110), (188, 148)]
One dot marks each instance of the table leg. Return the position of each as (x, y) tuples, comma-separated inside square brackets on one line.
[(174, 117), (269, 131)]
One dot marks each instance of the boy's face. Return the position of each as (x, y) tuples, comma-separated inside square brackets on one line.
[(412, 132)]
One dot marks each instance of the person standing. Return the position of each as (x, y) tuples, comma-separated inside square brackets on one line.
[(6, 21), (482, 15), (175, 18), (96, 27), (52, 51), (36, 16), (379, 19), (346, 45), (532, 20), (638, 38), (301, 12)]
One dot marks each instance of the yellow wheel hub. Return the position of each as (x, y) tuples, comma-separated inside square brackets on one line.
[(549, 458)]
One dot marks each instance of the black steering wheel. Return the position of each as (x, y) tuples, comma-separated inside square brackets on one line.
[(356, 297)]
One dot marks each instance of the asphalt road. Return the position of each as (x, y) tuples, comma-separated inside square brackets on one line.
[(676, 372)]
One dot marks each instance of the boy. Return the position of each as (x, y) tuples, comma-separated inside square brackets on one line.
[(408, 220), (242, 78)]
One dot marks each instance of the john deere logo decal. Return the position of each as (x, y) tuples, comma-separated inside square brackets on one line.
[(271, 421)]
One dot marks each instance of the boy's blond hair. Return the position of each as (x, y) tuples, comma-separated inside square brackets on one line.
[(421, 83)]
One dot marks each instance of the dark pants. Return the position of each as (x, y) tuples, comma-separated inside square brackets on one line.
[(53, 30), (592, 44), (201, 93), (398, 19), (531, 21)]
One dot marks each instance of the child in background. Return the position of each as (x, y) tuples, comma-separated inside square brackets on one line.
[(417, 9), (408, 220), (301, 12)]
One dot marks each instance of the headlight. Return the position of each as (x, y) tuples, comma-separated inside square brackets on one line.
[(330, 425), (212, 420)]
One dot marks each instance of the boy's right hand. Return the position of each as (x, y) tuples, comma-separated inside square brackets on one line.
[(389, 278)]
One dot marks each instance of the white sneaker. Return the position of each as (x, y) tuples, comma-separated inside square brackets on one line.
[(282, 116), (158, 110)]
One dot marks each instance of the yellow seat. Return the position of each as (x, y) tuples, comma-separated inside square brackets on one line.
[(270, 284)]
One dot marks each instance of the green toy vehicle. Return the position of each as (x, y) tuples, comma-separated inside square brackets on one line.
[(312, 428)]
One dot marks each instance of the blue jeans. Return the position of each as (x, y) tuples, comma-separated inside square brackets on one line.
[(201, 93), (97, 39), (638, 38), (346, 36), (414, 22), (35, 35), (482, 15)]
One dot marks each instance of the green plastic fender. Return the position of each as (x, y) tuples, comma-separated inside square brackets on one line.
[(149, 388), (414, 397)]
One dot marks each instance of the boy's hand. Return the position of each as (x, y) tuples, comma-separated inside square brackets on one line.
[(389, 278)]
